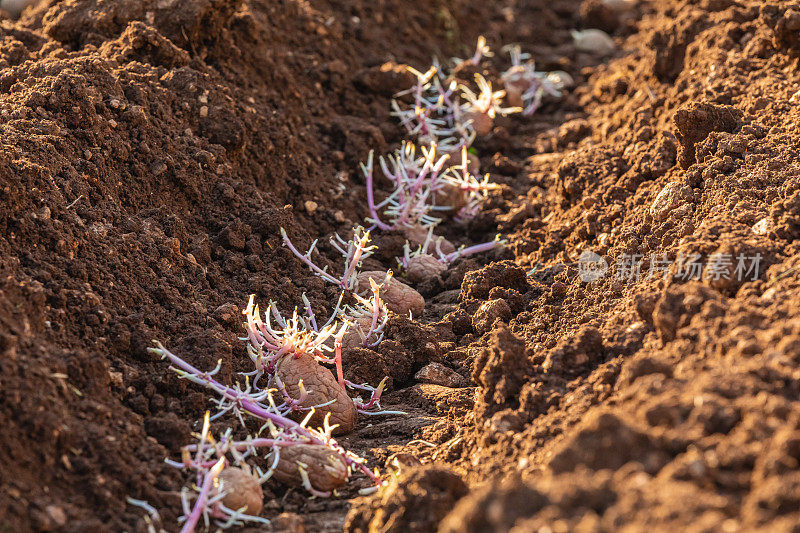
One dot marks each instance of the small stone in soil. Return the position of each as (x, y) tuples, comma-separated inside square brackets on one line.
[(438, 374)]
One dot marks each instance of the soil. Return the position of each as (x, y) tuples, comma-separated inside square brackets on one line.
[(152, 149)]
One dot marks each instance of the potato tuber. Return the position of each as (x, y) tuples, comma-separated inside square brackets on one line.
[(422, 267), (416, 236), (397, 296), (242, 490), (321, 387), (482, 120), (454, 159), (352, 339), (325, 468)]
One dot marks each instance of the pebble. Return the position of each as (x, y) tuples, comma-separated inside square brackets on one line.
[(672, 196), (594, 41), (438, 374), (769, 294), (289, 523), (57, 515), (562, 79), (763, 226)]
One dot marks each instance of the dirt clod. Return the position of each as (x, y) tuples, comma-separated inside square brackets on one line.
[(500, 371), (288, 523), (415, 501), (489, 313), (697, 120)]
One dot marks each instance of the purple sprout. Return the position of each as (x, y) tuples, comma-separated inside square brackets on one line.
[(415, 180), (447, 113), (205, 506), (481, 50), (371, 407), (486, 101), (209, 457), (372, 310), (297, 336), (354, 251), (263, 408), (257, 403), (208, 462), (208, 452), (436, 115), (467, 184), (464, 251), (532, 85), (418, 183), (433, 247)]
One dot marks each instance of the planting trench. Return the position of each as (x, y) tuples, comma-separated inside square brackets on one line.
[(151, 150)]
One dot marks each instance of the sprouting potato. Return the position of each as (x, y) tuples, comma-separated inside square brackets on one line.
[(416, 236), (242, 490), (422, 267), (482, 121), (352, 339), (325, 468), (321, 387), (454, 158), (398, 297), (516, 83), (452, 196)]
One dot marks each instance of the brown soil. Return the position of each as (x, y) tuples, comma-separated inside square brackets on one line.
[(152, 149)]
